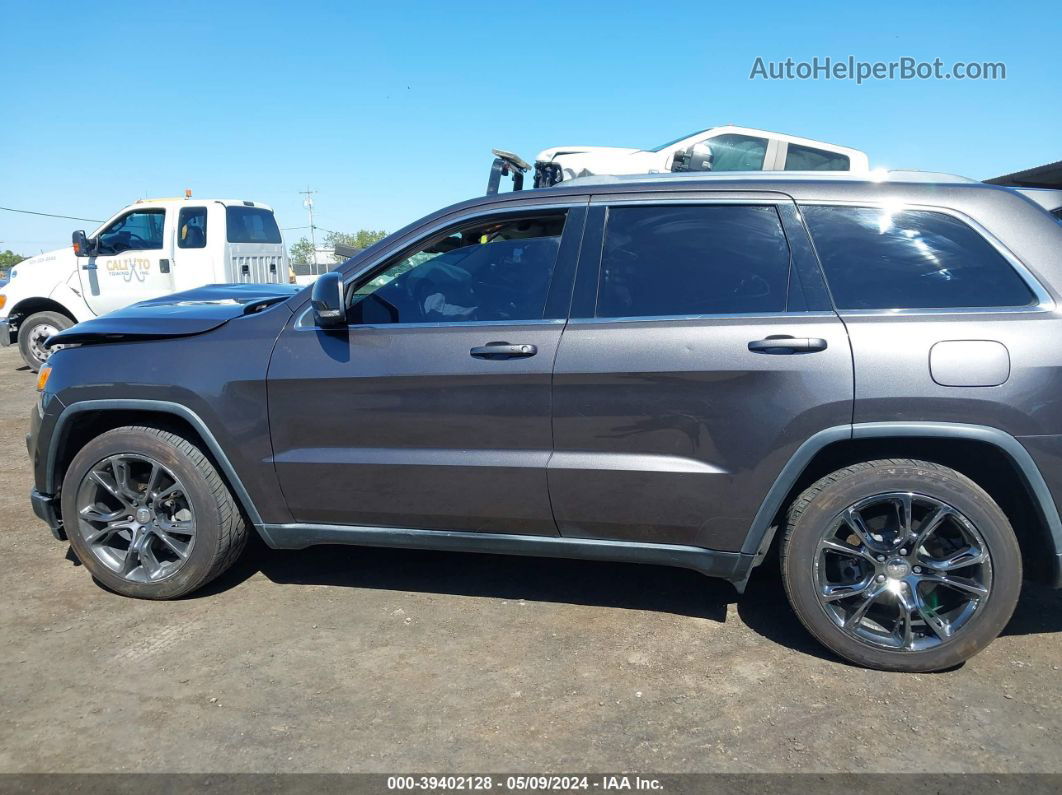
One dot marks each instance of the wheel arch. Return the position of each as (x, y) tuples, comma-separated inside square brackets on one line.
[(81, 422), (35, 304), (992, 458)]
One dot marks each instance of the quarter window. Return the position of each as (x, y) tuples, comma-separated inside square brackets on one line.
[(140, 230), (805, 158), (911, 259), (191, 227), (693, 260), (498, 270)]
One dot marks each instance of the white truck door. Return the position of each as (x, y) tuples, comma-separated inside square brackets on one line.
[(132, 262), (199, 236)]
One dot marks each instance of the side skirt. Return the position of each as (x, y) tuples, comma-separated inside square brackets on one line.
[(732, 566)]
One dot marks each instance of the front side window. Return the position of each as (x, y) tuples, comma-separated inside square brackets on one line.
[(805, 158), (140, 230), (191, 227), (251, 225), (693, 260), (734, 152), (875, 258), (497, 270)]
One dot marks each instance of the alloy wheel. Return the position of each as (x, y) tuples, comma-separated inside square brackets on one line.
[(902, 571), (135, 516)]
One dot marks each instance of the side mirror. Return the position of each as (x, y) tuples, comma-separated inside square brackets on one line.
[(82, 246), (698, 157), (326, 298)]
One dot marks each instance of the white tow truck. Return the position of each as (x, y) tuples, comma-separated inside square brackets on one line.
[(727, 148), (148, 249)]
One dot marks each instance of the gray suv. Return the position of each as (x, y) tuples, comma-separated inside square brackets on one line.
[(681, 371)]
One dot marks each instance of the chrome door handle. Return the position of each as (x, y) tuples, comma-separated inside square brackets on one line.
[(784, 344), (89, 267)]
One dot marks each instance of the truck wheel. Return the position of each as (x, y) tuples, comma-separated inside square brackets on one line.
[(901, 565), (34, 331), (148, 515)]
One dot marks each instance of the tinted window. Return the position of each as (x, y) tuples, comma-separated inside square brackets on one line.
[(251, 225), (692, 261), (499, 270), (733, 152), (140, 230), (191, 227), (912, 259), (804, 158)]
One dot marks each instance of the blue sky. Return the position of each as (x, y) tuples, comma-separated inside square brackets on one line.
[(389, 110)]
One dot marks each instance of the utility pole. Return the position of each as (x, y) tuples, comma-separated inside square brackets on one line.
[(308, 204)]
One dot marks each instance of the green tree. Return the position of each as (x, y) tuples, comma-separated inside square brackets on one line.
[(301, 252), (9, 259), (363, 238)]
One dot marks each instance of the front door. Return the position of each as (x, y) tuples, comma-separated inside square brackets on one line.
[(701, 353), (132, 261), (432, 410)]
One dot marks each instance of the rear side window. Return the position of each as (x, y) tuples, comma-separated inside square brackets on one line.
[(805, 158), (693, 260), (911, 259), (251, 225), (191, 227)]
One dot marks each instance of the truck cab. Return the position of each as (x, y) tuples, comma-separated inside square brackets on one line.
[(148, 249)]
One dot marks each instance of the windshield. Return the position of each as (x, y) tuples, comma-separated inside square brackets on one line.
[(680, 138)]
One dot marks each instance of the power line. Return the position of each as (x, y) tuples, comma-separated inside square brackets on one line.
[(51, 215)]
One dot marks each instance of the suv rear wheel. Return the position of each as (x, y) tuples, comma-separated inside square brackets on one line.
[(148, 515), (901, 565)]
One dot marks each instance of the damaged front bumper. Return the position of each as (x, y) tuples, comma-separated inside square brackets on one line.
[(46, 507)]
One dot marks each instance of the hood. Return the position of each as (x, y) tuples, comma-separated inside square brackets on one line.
[(177, 314), (60, 257), (546, 155)]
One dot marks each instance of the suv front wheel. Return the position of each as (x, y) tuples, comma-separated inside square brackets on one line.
[(148, 514), (901, 565)]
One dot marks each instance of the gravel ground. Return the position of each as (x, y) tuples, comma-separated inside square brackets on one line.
[(345, 659)]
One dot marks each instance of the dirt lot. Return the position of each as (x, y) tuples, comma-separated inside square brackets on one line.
[(342, 659)]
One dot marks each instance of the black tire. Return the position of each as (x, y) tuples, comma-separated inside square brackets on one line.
[(221, 533), (30, 335), (818, 508)]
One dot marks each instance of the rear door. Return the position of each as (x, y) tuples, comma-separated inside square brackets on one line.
[(132, 263), (701, 352), (432, 411), (199, 234)]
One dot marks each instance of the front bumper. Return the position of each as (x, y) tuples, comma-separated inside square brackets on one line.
[(46, 509), (5, 332)]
